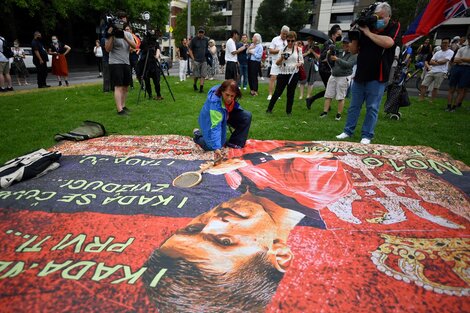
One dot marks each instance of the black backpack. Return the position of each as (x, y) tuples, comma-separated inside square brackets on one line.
[(7, 52)]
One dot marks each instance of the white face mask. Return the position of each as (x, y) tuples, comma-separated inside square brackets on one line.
[(16, 45), (55, 41)]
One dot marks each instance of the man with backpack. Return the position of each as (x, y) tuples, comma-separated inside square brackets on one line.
[(5, 55)]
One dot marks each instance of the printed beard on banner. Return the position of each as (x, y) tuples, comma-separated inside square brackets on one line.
[(356, 229)]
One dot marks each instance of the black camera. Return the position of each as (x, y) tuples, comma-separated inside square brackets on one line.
[(332, 50), (116, 23), (149, 41), (286, 55), (367, 17)]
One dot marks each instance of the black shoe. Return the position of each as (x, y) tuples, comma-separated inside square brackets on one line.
[(47, 86), (338, 116), (9, 89), (67, 83), (449, 107), (122, 112), (324, 114), (195, 87), (126, 109), (5, 90), (269, 112), (60, 83), (309, 102), (201, 89)]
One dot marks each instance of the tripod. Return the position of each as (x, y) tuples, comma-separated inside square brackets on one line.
[(145, 70)]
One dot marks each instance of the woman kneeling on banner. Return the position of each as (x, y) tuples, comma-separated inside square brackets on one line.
[(221, 109)]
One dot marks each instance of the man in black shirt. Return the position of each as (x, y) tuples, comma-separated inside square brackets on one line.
[(183, 57), (197, 51), (376, 49), (40, 59)]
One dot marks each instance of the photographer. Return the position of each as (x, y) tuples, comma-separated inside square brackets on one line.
[(340, 78), (118, 45), (148, 67), (375, 45), (326, 64), (289, 61)]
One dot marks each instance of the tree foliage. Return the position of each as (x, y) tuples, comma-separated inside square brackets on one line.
[(53, 15), (199, 18), (406, 11), (273, 14)]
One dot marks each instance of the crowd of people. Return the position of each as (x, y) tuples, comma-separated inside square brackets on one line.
[(360, 68)]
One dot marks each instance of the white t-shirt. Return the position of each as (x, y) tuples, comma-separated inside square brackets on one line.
[(441, 55), (277, 44), (464, 52), (230, 47)]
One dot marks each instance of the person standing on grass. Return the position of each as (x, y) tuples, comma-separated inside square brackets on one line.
[(182, 55), (60, 68), (335, 34), (275, 49), (459, 77), (40, 59), (255, 53), (376, 50), (232, 70), (289, 61), (339, 81), (197, 51), (440, 65), (118, 45), (243, 62)]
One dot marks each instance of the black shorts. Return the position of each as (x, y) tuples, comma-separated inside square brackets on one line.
[(231, 70), (120, 74)]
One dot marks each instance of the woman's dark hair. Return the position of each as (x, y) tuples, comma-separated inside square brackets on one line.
[(231, 85), (333, 30)]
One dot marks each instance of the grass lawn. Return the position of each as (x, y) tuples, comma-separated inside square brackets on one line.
[(30, 119)]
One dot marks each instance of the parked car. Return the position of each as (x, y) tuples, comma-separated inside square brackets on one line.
[(28, 61)]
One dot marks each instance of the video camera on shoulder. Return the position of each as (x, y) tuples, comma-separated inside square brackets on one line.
[(116, 23), (367, 17)]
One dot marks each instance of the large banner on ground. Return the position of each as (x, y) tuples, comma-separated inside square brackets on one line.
[(275, 227)]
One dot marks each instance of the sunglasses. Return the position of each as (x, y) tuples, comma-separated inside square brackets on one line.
[(290, 40)]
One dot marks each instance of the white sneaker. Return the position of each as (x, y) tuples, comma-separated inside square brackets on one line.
[(342, 136), (262, 78), (269, 97), (365, 141), (244, 88)]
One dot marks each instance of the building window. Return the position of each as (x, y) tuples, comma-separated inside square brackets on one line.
[(229, 21), (340, 18)]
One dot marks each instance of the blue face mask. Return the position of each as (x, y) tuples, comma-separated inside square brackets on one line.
[(380, 24)]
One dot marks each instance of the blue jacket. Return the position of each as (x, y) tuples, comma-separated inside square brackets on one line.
[(213, 120)]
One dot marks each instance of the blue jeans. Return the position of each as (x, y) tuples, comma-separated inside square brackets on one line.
[(243, 75), (371, 92)]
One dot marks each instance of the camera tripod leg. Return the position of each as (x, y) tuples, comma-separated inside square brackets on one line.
[(143, 79), (164, 78)]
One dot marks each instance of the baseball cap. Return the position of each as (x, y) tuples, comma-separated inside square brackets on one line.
[(201, 30), (456, 38)]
